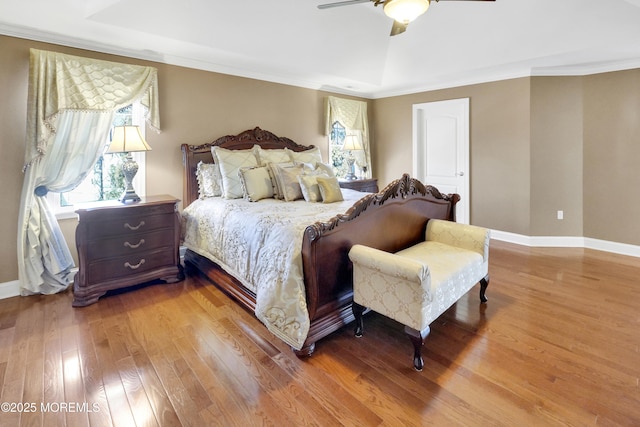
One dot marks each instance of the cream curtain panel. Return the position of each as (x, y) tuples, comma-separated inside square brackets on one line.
[(352, 115), (71, 104)]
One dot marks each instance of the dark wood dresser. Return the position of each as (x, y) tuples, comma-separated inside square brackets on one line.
[(369, 185), (121, 245)]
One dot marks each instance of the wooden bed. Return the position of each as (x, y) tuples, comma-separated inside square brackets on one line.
[(391, 220)]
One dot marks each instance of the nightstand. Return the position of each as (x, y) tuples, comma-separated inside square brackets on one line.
[(369, 185), (121, 245)]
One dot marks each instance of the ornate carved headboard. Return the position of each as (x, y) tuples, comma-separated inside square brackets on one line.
[(193, 154)]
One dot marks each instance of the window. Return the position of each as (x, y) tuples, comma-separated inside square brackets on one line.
[(106, 180), (339, 156), (336, 141)]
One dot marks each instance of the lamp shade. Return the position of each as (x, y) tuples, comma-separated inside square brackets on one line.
[(126, 139), (352, 142), (405, 11)]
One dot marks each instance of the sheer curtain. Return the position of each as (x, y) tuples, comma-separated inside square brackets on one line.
[(71, 105), (352, 115)]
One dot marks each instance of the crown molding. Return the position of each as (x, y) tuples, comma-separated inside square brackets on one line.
[(474, 77), (588, 68)]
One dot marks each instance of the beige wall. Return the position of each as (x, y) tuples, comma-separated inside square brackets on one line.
[(196, 107), (556, 156), (538, 144), (612, 156), (14, 70), (499, 145)]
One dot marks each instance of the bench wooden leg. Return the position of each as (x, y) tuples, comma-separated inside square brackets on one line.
[(357, 313), (484, 282), (417, 339)]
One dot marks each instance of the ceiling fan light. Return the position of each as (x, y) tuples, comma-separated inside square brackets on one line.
[(405, 11)]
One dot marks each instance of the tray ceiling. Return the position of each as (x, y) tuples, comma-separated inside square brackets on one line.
[(346, 49)]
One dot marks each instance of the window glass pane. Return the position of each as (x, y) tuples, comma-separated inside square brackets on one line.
[(104, 182), (338, 157)]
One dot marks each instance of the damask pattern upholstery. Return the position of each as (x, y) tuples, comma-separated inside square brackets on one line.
[(208, 177), (416, 285)]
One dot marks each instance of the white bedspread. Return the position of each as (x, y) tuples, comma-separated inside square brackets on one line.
[(259, 243)]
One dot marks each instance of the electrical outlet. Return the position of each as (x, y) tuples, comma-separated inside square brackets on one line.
[(560, 214)]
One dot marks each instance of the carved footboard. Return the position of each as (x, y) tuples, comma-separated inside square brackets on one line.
[(391, 220)]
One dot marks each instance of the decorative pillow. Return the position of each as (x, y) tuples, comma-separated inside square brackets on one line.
[(325, 168), (287, 178), (329, 189), (256, 183), (208, 176), (310, 188), (230, 162), (273, 173), (312, 155), (270, 156)]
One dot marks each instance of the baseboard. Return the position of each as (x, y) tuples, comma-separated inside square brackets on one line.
[(615, 247), (567, 242), (12, 289), (9, 289)]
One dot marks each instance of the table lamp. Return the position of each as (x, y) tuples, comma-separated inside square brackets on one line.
[(127, 139), (351, 142)]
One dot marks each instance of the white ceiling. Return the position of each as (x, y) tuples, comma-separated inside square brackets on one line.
[(346, 49)]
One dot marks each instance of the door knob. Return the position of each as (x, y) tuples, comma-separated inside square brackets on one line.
[(460, 174)]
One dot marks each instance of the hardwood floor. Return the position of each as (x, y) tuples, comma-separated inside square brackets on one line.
[(558, 343)]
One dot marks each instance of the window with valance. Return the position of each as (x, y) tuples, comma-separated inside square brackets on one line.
[(346, 117), (71, 105)]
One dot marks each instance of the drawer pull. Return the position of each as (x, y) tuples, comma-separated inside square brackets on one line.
[(134, 267), (136, 246), (131, 227)]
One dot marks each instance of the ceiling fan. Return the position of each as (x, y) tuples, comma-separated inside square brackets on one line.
[(401, 11)]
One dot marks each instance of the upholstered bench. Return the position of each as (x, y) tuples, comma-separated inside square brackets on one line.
[(416, 285)]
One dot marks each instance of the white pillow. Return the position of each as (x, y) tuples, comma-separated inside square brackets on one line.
[(273, 173), (287, 178), (312, 155), (230, 162), (310, 188), (208, 176), (317, 168), (256, 183), (325, 168), (270, 156)]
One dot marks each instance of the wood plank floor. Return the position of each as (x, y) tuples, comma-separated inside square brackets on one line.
[(558, 343)]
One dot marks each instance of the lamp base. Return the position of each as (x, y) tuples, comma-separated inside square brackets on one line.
[(129, 168), (129, 196), (352, 170)]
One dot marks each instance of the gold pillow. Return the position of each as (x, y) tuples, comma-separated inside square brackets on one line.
[(329, 189)]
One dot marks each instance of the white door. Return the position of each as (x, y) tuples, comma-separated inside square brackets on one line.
[(441, 149)]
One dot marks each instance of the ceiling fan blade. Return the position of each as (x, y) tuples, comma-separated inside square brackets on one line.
[(341, 3), (398, 28)]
